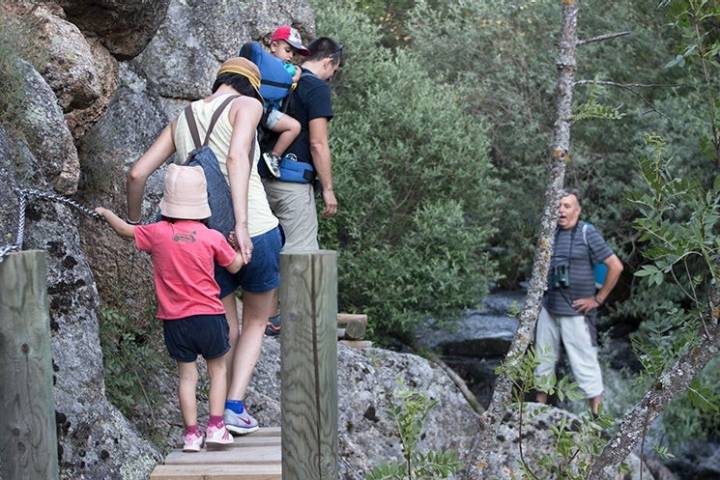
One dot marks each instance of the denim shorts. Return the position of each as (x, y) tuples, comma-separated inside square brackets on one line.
[(206, 335), (262, 274), (273, 117)]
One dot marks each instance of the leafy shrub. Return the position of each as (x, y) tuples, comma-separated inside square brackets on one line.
[(409, 414), (130, 351), (414, 183)]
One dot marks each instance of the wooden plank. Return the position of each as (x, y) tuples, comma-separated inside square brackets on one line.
[(355, 325), (357, 343), (220, 455), (343, 318), (262, 432), (217, 472), (27, 409), (308, 302)]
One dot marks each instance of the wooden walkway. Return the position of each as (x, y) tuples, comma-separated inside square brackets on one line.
[(252, 457)]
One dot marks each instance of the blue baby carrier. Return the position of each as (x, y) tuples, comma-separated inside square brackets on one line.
[(275, 79)]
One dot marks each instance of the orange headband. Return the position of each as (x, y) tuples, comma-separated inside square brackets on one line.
[(244, 67)]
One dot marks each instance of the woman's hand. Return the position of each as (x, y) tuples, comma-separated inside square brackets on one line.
[(242, 243)]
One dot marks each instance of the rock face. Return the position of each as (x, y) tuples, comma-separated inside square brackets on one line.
[(123, 26), (94, 440)]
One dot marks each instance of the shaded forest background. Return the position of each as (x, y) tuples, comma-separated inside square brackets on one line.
[(444, 115)]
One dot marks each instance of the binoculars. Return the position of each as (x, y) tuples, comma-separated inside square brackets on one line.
[(560, 276)]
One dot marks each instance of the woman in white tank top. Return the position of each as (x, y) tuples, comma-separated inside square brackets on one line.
[(233, 141)]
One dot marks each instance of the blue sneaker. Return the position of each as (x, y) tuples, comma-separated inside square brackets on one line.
[(240, 423), (272, 329)]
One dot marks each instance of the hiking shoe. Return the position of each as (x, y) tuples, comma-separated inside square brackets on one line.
[(218, 436), (240, 423), (272, 329), (273, 164), (192, 442)]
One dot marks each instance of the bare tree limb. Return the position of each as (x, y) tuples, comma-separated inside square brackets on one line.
[(603, 38), (560, 148), (630, 87), (672, 382), (624, 85)]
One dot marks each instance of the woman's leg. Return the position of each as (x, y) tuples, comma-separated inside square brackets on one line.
[(230, 303), (186, 392), (257, 307)]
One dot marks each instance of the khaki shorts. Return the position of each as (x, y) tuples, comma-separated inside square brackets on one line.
[(294, 205), (574, 332)]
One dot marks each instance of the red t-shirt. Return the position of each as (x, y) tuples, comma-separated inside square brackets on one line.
[(183, 255)]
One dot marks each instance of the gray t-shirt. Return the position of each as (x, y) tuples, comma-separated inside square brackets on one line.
[(570, 244)]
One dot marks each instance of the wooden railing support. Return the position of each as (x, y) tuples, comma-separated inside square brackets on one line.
[(28, 440), (308, 303)]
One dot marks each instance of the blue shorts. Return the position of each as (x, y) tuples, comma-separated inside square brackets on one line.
[(206, 335), (262, 274)]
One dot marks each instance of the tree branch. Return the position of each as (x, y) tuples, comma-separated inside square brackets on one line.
[(602, 38), (630, 88), (624, 85), (502, 394), (672, 382)]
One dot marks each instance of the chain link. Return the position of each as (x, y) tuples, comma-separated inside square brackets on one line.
[(25, 194)]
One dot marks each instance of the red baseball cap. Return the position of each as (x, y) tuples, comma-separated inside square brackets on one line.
[(292, 37)]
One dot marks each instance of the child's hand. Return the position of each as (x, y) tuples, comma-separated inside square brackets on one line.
[(102, 212), (296, 77)]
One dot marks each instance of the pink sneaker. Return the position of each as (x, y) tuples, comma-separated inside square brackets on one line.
[(192, 442), (218, 436)]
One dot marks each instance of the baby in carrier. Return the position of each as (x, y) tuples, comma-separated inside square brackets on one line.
[(279, 76)]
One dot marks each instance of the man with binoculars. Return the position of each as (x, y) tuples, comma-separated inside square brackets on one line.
[(571, 301)]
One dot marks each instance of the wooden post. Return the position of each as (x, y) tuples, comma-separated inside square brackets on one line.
[(308, 302), (28, 439)]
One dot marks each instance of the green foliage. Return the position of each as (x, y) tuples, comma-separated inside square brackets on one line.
[(574, 442), (415, 186), (129, 352), (501, 55), (679, 222), (409, 413)]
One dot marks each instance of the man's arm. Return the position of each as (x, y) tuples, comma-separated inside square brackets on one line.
[(615, 268), (320, 151)]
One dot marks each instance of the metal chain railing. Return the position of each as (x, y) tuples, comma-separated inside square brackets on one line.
[(25, 194)]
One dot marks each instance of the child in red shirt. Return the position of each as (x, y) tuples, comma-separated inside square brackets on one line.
[(183, 252)]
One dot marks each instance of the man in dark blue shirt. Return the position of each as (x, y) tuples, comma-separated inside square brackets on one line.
[(571, 301), (311, 105), (293, 203)]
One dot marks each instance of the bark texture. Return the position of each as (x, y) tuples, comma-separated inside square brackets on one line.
[(672, 382), (559, 151)]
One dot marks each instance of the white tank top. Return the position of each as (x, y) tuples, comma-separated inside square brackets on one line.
[(260, 217)]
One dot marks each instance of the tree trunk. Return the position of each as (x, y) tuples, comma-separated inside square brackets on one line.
[(671, 383), (560, 154)]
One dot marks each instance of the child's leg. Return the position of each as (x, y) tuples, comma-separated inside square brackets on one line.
[(186, 392), (289, 129), (217, 370)]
